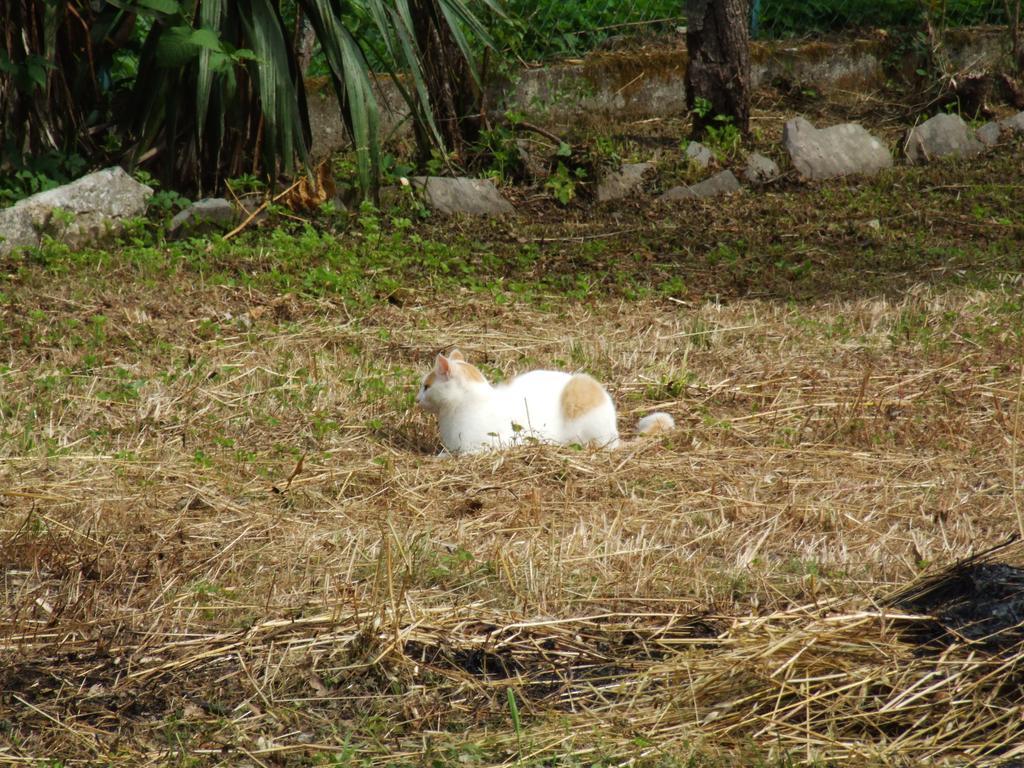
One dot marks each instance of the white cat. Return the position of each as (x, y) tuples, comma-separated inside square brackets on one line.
[(549, 406)]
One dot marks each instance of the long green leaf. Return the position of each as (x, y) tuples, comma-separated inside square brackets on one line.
[(410, 61), (211, 16), (363, 110), (395, 23), (350, 76), (456, 13), (285, 125)]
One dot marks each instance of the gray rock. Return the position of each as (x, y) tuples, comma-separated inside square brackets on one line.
[(838, 150), (699, 155), (723, 183), (203, 216), (760, 169), (941, 136), (1015, 123), (448, 196), (78, 213), (622, 182), (988, 134)]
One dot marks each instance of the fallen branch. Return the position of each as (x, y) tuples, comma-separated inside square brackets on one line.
[(259, 209), (525, 126)]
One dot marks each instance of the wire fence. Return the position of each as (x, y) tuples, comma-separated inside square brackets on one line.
[(546, 29), (552, 29)]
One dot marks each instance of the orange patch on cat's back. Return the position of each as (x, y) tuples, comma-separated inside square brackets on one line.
[(581, 395), (471, 372)]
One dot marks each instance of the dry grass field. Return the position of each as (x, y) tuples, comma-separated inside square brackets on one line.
[(226, 538)]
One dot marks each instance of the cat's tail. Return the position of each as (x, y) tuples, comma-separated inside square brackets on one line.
[(657, 423)]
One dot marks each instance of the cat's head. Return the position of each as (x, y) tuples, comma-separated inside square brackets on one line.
[(450, 384)]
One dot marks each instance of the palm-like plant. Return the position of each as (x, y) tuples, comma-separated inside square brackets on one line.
[(219, 91)]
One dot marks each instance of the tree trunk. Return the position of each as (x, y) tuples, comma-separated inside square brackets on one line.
[(454, 96), (717, 40)]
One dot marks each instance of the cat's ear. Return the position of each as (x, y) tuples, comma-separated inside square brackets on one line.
[(455, 354), (443, 366)]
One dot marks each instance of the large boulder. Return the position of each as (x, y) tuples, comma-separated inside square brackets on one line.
[(448, 196), (944, 135), (723, 183), (838, 150), (79, 213), (622, 182)]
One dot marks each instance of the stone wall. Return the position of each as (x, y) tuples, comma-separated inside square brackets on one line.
[(636, 85)]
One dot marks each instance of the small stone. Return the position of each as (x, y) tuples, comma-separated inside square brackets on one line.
[(760, 169), (838, 150), (699, 155), (723, 183), (944, 135), (621, 183), (1014, 124), (449, 196), (203, 216), (988, 134)]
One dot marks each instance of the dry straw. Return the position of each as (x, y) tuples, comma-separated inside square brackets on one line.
[(256, 557)]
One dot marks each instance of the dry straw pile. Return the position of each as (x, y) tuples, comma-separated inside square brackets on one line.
[(228, 541)]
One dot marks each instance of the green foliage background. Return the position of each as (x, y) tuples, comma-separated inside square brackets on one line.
[(786, 18)]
